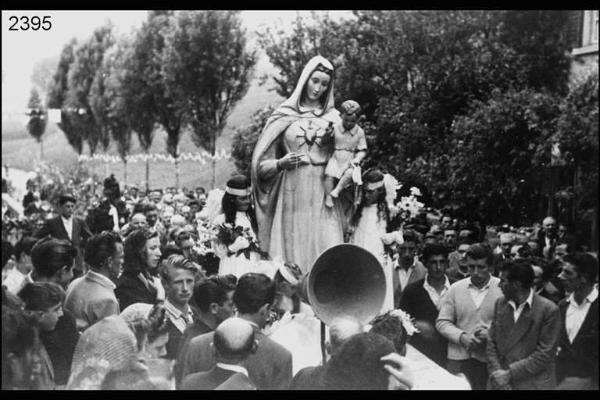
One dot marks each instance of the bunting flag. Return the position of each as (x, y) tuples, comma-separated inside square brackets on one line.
[(201, 157)]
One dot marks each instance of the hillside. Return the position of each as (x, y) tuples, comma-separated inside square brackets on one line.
[(19, 150)]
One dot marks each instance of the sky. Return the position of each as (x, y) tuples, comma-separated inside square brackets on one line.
[(22, 49)]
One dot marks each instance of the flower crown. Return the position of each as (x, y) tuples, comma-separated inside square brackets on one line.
[(407, 321)]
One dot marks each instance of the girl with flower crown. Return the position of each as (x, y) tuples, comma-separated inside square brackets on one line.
[(236, 244), (370, 224)]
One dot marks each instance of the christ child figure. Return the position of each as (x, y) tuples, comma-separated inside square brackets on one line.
[(350, 147)]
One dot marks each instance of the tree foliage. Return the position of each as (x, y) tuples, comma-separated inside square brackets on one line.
[(42, 75), (429, 80), (150, 44), (206, 68), (57, 93), (87, 61), (494, 169), (107, 102), (245, 138), (140, 84), (38, 116), (577, 134)]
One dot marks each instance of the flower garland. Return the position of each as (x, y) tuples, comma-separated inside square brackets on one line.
[(407, 321)]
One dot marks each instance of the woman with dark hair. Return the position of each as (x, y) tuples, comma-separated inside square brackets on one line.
[(236, 203), (43, 302), (237, 227), (137, 283)]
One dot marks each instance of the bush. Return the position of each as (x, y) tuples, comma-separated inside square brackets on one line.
[(244, 139)]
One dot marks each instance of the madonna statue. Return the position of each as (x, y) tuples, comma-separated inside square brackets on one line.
[(287, 172)]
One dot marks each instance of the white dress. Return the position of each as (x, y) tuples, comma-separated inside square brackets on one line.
[(240, 265), (368, 235)]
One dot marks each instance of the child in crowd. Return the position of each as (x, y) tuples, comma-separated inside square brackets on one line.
[(350, 147)]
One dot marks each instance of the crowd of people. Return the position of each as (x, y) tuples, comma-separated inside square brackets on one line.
[(136, 294), (183, 289)]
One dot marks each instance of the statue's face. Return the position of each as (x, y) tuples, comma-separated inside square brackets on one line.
[(317, 85)]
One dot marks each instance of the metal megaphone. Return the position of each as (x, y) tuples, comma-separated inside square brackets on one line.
[(346, 280)]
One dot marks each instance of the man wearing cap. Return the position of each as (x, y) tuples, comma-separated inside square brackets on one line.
[(67, 226)]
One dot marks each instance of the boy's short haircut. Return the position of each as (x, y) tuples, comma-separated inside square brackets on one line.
[(49, 255), (479, 251)]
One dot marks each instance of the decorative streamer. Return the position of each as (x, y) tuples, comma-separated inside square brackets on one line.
[(200, 157)]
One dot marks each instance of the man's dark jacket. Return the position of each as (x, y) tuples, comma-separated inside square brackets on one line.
[(418, 304), (579, 358)]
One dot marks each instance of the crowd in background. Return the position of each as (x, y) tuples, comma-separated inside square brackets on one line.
[(111, 289)]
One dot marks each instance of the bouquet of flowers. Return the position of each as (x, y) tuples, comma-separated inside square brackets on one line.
[(239, 240), (410, 206)]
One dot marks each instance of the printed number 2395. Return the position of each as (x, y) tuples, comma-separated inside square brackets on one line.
[(34, 23)]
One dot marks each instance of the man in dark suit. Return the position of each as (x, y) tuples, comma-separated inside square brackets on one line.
[(213, 299), (271, 366), (67, 226), (524, 333), (233, 342), (421, 300), (507, 241), (547, 237), (577, 360), (237, 381), (111, 213), (31, 191)]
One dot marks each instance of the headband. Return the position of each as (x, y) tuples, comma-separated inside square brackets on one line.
[(237, 192), (288, 275), (374, 185)]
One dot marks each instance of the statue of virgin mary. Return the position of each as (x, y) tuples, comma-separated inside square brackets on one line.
[(287, 172)]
